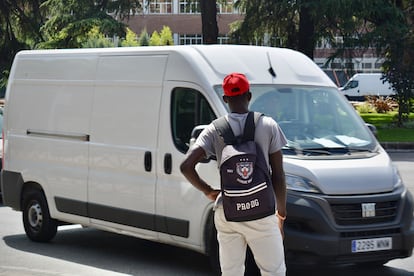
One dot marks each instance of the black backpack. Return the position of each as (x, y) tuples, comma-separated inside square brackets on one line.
[(246, 185)]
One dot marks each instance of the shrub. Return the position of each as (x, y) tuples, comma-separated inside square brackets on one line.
[(365, 107), (381, 104)]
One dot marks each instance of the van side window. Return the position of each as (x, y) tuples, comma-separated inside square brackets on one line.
[(189, 108), (351, 84)]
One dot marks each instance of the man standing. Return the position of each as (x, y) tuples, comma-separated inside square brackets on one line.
[(264, 236)]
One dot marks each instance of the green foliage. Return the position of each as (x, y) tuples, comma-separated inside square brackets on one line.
[(388, 131), (365, 107), (162, 38), (155, 39), (95, 39), (130, 39), (144, 39), (383, 25), (166, 36), (20, 22), (69, 22), (34, 24)]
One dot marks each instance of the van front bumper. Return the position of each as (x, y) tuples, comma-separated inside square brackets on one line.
[(320, 229)]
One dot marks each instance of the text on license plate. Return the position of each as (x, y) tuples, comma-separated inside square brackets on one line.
[(367, 245)]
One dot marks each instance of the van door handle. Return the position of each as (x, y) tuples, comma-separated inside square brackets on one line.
[(148, 161), (168, 163)]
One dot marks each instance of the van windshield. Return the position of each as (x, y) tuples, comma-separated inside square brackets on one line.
[(316, 121)]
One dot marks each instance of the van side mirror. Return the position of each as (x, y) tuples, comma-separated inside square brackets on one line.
[(194, 135), (373, 129)]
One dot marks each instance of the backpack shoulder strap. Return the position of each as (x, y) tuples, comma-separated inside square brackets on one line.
[(250, 125), (224, 130)]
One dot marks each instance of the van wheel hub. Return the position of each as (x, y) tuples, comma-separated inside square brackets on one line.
[(35, 216)]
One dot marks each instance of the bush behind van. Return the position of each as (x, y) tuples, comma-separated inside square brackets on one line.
[(95, 137)]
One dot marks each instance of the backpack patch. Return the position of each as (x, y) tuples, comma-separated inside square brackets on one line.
[(246, 185)]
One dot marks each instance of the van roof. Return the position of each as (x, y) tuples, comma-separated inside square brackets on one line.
[(256, 62)]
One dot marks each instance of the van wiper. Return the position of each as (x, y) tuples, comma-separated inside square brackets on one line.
[(324, 150), (315, 151), (352, 150), (339, 150), (307, 151)]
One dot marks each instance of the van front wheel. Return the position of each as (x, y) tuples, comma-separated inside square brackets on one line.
[(38, 224)]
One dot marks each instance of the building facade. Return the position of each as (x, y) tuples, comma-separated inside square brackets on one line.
[(184, 19)]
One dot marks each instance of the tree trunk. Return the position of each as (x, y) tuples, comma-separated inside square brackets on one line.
[(306, 35), (209, 21)]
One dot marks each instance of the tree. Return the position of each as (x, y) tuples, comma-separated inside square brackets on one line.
[(130, 39), (96, 39), (166, 36), (385, 26), (69, 21), (272, 23), (382, 25), (144, 39), (399, 64), (20, 22), (29, 24), (155, 39), (209, 21)]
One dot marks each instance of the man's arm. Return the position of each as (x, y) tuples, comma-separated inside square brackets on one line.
[(187, 168), (279, 184)]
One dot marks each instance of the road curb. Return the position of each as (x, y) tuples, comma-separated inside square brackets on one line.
[(398, 146)]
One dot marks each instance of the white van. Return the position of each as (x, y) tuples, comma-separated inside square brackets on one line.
[(366, 84), (96, 136)]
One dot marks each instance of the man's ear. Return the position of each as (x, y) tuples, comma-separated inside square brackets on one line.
[(225, 99), (249, 95)]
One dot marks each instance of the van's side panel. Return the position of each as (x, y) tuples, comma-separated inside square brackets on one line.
[(48, 126), (124, 127), (192, 208), (368, 84)]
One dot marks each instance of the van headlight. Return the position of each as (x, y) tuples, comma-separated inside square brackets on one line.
[(396, 178), (301, 184)]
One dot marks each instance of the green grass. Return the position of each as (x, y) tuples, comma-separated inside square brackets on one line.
[(387, 129)]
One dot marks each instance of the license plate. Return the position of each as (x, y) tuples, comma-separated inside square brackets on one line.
[(367, 245)]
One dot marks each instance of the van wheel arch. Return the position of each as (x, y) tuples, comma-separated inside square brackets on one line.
[(38, 224)]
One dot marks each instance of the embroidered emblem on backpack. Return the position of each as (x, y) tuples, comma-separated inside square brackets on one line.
[(244, 170)]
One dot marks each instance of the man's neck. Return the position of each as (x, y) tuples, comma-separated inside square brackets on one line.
[(240, 111)]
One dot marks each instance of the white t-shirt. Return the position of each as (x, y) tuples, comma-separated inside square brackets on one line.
[(268, 136)]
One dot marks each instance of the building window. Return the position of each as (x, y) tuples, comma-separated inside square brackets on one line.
[(187, 39), (160, 6), (366, 65), (350, 65), (335, 65), (189, 7), (226, 7), (223, 40)]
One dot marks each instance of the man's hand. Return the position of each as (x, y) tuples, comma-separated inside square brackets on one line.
[(281, 223), (213, 194), (281, 220)]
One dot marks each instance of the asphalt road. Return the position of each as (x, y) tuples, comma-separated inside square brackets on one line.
[(78, 251)]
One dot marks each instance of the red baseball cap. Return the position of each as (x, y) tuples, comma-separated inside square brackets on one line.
[(235, 84)]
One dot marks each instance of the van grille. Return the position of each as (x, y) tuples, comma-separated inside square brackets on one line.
[(351, 214)]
